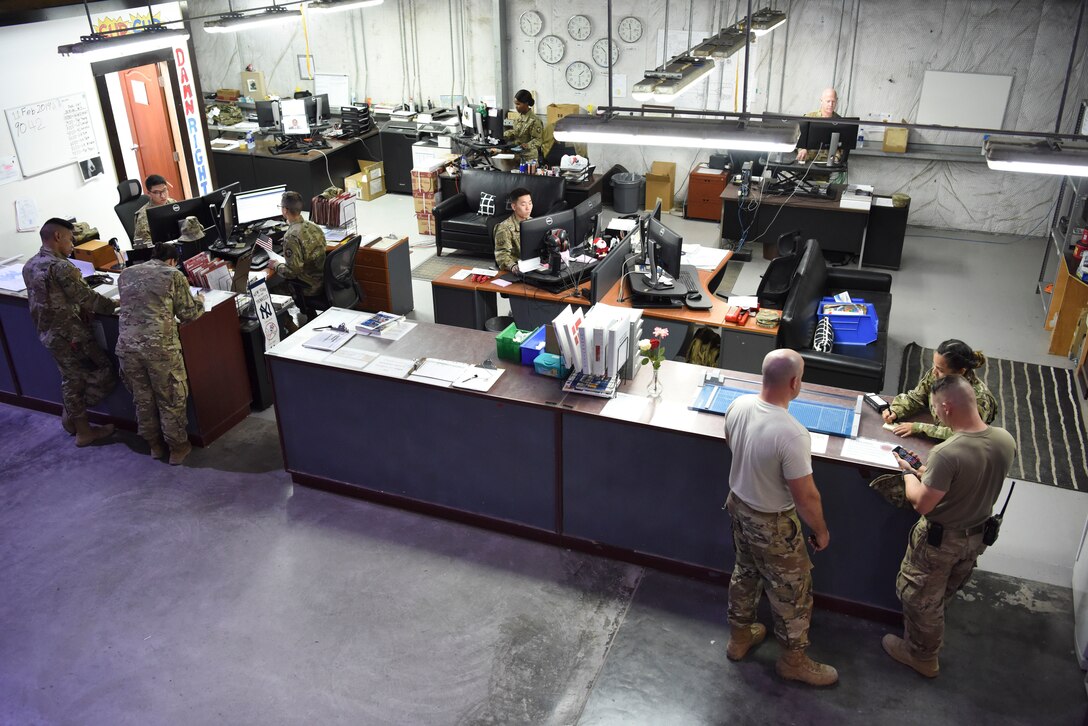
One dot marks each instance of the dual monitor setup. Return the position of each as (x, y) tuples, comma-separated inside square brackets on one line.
[(221, 213), (295, 119)]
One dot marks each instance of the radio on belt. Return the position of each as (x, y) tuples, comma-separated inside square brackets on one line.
[(877, 403)]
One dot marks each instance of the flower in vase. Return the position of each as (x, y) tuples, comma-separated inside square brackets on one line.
[(651, 350)]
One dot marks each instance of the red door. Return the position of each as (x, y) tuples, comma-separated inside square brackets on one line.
[(145, 103)]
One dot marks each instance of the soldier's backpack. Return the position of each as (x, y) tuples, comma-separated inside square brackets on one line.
[(705, 347)]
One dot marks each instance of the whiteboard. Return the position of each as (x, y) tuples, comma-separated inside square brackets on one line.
[(964, 99), (52, 133), (334, 84)]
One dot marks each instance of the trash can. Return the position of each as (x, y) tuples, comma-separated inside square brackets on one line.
[(498, 323), (626, 192)]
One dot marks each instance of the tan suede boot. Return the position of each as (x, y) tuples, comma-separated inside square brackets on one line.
[(743, 639), (794, 665), (87, 434), (178, 453), (66, 422), (898, 649), (158, 449)]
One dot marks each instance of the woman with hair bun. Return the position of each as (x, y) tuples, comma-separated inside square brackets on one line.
[(952, 357), (527, 132)]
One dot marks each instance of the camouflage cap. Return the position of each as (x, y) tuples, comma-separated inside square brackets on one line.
[(332, 192), (191, 230)]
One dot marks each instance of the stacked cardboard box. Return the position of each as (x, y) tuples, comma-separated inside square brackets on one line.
[(369, 183), (425, 194)]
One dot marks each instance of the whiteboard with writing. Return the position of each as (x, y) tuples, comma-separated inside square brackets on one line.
[(52, 133)]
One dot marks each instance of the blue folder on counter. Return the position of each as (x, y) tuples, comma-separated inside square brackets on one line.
[(823, 418)]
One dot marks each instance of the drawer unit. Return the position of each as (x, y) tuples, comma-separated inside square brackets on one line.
[(705, 187), (384, 272)]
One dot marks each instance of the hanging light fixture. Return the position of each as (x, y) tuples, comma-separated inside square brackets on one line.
[(1048, 156), (766, 20), (727, 42), (233, 21), (101, 46), (742, 135), (664, 84), (335, 6)]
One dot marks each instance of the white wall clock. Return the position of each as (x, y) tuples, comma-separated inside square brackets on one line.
[(531, 23), (579, 27), (600, 53), (630, 29), (579, 75), (551, 49)]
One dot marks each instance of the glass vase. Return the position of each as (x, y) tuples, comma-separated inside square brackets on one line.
[(654, 389)]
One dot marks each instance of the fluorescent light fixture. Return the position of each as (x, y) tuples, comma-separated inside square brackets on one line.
[(724, 44), (766, 20), (664, 85), (100, 47), (1038, 157), (677, 132), (335, 6), (233, 22)]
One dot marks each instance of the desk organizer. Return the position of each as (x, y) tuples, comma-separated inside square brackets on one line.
[(851, 329)]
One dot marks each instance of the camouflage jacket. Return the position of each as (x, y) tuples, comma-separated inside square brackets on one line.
[(907, 404), (142, 232), (61, 303), (152, 295), (304, 256), (508, 243), (527, 133), (820, 154)]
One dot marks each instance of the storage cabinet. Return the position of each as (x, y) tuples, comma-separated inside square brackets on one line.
[(1064, 296), (384, 272), (705, 187)]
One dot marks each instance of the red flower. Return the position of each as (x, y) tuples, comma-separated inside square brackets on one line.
[(654, 343)]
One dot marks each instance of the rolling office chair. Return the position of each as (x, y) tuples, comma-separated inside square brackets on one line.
[(132, 198), (341, 289)]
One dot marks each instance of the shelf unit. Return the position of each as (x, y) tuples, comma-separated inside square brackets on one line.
[(1067, 296)]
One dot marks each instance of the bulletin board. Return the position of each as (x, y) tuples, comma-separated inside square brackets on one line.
[(974, 100), (53, 133)]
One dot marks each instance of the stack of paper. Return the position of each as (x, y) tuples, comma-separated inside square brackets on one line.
[(205, 272), (856, 196)]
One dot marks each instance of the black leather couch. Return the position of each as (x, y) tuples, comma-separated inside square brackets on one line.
[(458, 223), (857, 367)]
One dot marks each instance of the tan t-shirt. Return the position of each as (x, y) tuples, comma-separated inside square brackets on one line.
[(970, 468), (769, 446)]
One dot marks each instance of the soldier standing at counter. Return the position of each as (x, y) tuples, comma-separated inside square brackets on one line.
[(152, 296), (62, 305), (771, 483)]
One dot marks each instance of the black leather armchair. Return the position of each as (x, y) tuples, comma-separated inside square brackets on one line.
[(130, 199), (858, 367), (459, 224)]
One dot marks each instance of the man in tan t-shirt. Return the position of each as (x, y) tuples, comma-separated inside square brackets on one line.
[(955, 493)]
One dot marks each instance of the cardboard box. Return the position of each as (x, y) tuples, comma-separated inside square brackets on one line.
[(369, 183), (227, 94), (424, 180), (895, 139), (425, 222), (426, 201), (660, 182), (557, 111), (98, 253)]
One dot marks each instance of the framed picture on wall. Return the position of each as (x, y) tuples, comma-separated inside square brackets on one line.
[(90, 168), (306, 67)]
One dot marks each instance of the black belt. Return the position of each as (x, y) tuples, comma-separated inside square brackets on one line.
[(966, 532)]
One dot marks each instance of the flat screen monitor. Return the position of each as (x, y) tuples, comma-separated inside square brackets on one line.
[(758, 159), (164, 221), (293, 120), (268, 114), (259, 204), (587, 216), (609, 270), (665, 246), (656, 214), (533, 231), (817, 134), (495, 117), (318, 112), (216, 206)]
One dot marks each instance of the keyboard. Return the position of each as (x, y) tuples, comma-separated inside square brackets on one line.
[(691, 282)]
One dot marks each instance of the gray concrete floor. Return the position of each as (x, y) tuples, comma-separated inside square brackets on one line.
[(218, 592)]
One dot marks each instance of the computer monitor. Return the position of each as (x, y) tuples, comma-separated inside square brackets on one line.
[(318, 112), (534, 230), (219, 206), (293, 119), (609, 270), (587, 216), (665, 246), (259, 204), (494, 123), (268, 114), (817, 135), (164, 222), (656, 214), (758, 159)]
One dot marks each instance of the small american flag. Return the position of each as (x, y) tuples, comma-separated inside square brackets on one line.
[(265, 241)]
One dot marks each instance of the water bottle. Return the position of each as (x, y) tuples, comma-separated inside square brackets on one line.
[(861, 137), (249, 139)]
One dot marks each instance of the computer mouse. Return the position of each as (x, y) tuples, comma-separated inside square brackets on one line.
[(695, 295)]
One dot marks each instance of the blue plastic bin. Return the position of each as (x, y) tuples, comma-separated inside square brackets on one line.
[(531, 348), (851, 329)]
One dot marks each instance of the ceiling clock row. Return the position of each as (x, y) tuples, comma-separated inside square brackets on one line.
[(552, 48)]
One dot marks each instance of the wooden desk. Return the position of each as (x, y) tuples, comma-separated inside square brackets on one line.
[(575, 194), (567, 493), (838, 229)]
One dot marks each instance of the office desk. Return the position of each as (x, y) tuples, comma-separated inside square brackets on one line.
[(655, 499), (302, 173), (575, 194), (219, 392), (837, 229)]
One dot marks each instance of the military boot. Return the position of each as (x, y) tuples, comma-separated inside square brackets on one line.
[(178, 453), (87, 434), (898, 649), (742, 639), (158, 449), (794, 665), (66, 422), (893, 488)]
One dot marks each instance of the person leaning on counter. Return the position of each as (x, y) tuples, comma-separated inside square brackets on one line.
[(527, 131), (508, 231)]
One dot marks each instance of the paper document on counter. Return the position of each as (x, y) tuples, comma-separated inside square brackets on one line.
[(387, 365), (461, 274), (703, 258), (11, 277), (328, 340), (214, 297), (870, 451), (351, 357), (447, 371), (818, 442), (475, 378)]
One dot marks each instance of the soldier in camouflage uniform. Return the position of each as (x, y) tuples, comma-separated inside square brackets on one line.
[(770, 482), (508, 231), (61, 305), (952, 357), (955, 493), (152, 296), (157, 189), (303, 249), (527, 131), (829, 101)]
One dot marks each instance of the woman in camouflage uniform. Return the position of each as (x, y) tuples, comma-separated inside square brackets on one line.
[(527, 130)]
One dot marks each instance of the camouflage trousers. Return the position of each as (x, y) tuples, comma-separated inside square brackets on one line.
[(160, 391), (86, 374), (770, 549), (928, 578)]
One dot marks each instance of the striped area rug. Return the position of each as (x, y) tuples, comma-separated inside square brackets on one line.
[(1039, 407)]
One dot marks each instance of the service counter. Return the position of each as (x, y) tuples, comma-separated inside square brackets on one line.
[(638, 479)]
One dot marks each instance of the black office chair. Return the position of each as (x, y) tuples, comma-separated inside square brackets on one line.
[(131, 200), (341, 289)]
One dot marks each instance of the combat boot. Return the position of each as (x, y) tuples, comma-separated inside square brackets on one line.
[(742, 639), (794, 665), (898, 649), (87, 434), (158, 449), (178, 453), (66, 422)]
